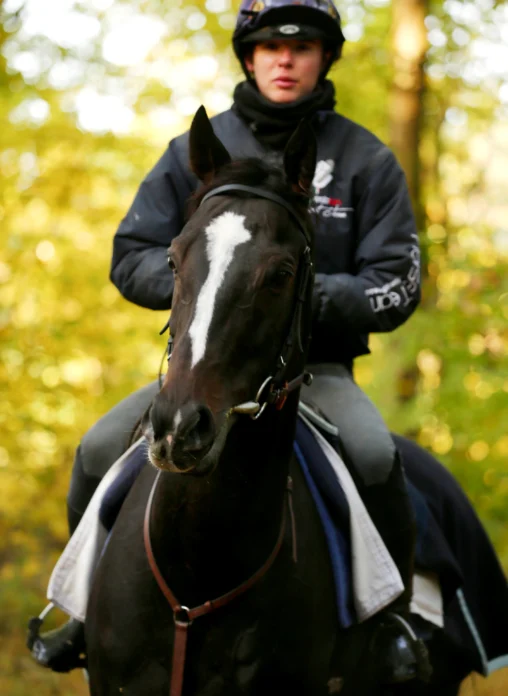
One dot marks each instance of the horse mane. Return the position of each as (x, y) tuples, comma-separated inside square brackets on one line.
[(251, 171)]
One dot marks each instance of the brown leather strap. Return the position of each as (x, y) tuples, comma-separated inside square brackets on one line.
[(278, 396), (292, 518), (183, 616), (173, 602), (179, 651)]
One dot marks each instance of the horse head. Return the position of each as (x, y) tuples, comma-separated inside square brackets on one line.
[(241, 312)]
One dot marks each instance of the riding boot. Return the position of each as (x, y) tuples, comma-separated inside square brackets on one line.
[(62, 649), (402, 655)]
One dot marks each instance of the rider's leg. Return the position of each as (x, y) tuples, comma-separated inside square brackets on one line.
[(81, 489), (62, 649), (101, 446), (371, 456), (373, 462)]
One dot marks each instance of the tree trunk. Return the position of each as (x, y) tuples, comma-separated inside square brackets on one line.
[(408, 48)]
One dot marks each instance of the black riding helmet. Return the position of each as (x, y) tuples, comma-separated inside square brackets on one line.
[(262, 20)]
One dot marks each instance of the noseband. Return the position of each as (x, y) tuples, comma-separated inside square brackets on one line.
[(275, 388)]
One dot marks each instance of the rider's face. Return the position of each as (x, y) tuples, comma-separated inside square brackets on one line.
[(286, 70)]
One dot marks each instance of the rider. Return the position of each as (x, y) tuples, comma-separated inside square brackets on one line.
[(366, 258)]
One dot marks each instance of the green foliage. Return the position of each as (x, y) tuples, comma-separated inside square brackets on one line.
[(72, 347)]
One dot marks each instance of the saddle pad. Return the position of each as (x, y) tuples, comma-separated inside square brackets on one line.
[(375, 581), (71, 580)]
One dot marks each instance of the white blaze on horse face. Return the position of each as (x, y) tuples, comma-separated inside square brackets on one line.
[(223, 235)]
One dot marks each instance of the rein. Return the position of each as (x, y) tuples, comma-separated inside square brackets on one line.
[(184, 616)]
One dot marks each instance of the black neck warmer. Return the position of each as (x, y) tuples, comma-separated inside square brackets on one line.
[(273, 124)]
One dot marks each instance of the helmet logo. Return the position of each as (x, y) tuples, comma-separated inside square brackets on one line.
[(257, 6), (289, 29)]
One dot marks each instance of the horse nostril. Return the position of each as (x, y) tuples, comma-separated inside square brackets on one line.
[(199, 430), (161, 450)]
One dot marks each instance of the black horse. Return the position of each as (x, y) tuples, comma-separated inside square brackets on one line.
[(198, 591)]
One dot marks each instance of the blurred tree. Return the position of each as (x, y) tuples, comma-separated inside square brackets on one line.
[(408, 51), (442, 352), (90, 92)]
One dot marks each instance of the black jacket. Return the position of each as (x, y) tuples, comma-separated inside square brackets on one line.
[(367, 254)]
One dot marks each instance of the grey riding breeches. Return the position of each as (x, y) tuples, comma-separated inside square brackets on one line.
[(362, 431), (101, 446), (364, 435), (108, 439)]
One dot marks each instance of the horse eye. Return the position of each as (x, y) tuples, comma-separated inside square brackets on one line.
[(280, 279)]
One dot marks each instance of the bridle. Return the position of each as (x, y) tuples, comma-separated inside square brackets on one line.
[(275, 389)]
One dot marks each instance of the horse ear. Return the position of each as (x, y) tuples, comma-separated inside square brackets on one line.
[(300, 158), (207, 153)]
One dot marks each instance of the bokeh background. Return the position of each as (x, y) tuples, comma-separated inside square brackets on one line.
[(90, 93)]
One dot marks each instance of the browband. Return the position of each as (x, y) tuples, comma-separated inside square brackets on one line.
[(259, 193)]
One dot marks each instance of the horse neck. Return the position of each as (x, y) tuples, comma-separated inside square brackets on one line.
[(223, 527)]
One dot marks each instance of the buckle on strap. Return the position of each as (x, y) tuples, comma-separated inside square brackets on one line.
[(182, 615), (279, 396), (276, 396)]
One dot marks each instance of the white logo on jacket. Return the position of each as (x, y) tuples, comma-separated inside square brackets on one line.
[(324, 205), (323, 175), (399, 292)]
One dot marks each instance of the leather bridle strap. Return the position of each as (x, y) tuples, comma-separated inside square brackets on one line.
[(280, 387), (183, 616), (259, 193), (277, 396)]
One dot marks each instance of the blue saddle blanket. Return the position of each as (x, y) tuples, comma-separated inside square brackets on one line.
[(432, 552)]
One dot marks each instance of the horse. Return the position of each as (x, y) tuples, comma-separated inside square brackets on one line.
[(216, 577)]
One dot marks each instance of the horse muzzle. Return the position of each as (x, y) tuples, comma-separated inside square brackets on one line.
[(179, 442)]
